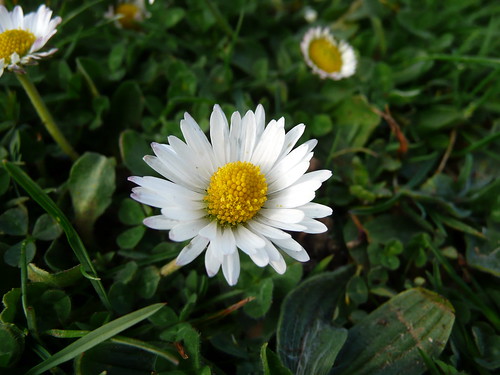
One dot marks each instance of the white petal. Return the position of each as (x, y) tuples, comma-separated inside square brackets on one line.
[(281, 225), (148, 197), (173, 191), (301, 154), (197, 162), (268, 231), (210, 230), (260, 257), (289, 244), (186, 230), (269, 146), (182, 213), (291, 138), (179, 170), (231, 268), (191, 251), (159, 222), (313, 226), (227, 242), (279, 265), (290, 198), (197, 140), (320, 175), (316, 210), (213, 260), (301, 255), (285, 215), (288, 178), (260, 120), (248, 136), (219, 134), (253, 240), (235, 141)]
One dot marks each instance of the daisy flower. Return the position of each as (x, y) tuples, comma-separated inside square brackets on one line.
[(128, 14), (22, 36), (243, 190), (328, 57)]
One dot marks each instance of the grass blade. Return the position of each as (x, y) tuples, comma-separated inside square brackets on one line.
[(74, 240), (95, 337)]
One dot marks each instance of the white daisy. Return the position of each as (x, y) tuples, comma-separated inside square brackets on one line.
[(22, 36), (241, 191), (128, 13), (328, 57)]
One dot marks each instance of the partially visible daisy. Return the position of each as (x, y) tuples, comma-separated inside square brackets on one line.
[(326, 56), (243, 190), (128, 13), (22, 36)]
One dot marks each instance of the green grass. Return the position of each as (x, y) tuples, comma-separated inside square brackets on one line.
[(411, 260)]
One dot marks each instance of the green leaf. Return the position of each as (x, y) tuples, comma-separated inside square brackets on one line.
[(11, 303), (357, 290), (11, 344), (133, 147), (438, 118), (127, 105), (46, 228), (59, 279), (271, 363), (14, 222), (91, 186), (94, 338), (130, 212), (263, 293), (129, 238), (13, 255), (305, 321), (388, 340), (148, 280), (52, 209), (173, 15), (4, 181)]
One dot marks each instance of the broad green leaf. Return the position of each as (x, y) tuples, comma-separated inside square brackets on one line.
[(52, 209), (94, 338), (14, 222), (147, 282), (263, 293), (11, 304), (353, 123), (305, 320), (60, 279), (13, 255), (127, 104), (91, 186), (11, 344), (271, 363), (130, 212), (484, 254), (46, 228), (388, 340), (133, 147), (129, 238)]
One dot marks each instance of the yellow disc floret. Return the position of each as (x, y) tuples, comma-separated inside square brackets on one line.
[(236, 193), (325, 55), (129, 14), (16, 40)]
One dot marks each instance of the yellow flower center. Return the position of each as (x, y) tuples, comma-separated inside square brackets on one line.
[(236, 193), (325, 55), (11, 41), (129, 13)]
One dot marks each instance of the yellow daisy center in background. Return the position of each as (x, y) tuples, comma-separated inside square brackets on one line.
[(11, 41), (325, 55), (236, 193), (128, 13)]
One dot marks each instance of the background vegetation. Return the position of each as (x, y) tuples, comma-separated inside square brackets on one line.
[(405, 280)]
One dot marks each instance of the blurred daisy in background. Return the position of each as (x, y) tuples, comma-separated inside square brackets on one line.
[(328, 57), (243, 189), (22, 36), (128, 14)]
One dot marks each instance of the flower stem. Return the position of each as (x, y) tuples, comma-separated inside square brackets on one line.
[(169, 268), (46, 116)]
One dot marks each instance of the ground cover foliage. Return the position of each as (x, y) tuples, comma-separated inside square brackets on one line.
[(404, 281)]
